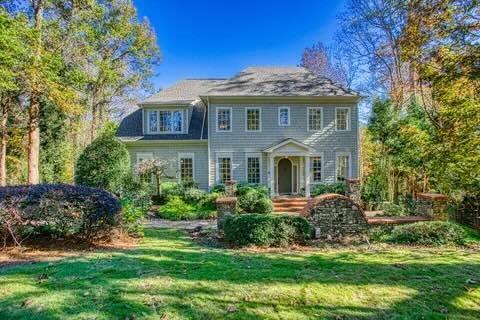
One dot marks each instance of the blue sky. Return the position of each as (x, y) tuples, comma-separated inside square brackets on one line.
[(215, 39)]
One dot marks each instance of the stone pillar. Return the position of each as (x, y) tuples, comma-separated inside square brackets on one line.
[(432, 205), (225, 206), (307, 176), (353, 190)]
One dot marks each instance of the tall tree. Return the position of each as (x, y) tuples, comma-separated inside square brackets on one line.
[(325, 62), (13, 55), (369, 35), (123, 53)]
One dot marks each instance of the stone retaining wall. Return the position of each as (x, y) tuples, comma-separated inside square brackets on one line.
[(335, 216), (432, 205)]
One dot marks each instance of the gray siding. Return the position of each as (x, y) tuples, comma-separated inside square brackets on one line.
[(170, 152), (327, 141)]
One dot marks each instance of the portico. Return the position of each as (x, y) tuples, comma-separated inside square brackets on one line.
[(289, 168)]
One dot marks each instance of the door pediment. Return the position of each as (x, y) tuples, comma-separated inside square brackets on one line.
[(289, 146)]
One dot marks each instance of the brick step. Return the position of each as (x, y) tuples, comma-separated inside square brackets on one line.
[(279, 200), (295, 204), (288, 209)]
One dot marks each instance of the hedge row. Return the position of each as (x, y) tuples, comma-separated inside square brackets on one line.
[(266, 230)]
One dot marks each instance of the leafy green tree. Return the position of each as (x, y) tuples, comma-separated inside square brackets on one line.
[(13, 57), (104, 164)]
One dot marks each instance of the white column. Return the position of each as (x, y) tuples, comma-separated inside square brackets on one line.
[(307, 176), (271, 175)]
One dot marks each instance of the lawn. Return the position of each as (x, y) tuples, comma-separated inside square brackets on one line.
[(170, 277)]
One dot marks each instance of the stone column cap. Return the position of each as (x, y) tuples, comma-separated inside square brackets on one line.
[(226, 200)]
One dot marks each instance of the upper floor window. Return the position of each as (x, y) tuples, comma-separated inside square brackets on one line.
[(343, 167), (317, 169), (342, 119), (165, 121), (314, 119), (224, 119), (253, 118), (284, 116), (186, 167)]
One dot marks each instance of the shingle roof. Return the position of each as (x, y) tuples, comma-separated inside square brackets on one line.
[(131, 126), (183, 92), (278, 81), (254, 81)]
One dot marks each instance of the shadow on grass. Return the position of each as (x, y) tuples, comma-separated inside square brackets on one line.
[(170, 275)]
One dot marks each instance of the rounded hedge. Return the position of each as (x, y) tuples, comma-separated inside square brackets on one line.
[(266, 230), (428, 233), (103, 164), (57, 209)]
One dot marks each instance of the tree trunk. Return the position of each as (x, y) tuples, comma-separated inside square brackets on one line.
[(34, 141), (33, 128), (3, 146)]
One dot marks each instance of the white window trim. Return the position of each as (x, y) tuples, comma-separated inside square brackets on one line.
[(182, 111), (349, 173), (289, 116), (183, 156), (144, 155), (308, 119), (216, 119), (348, 118), (246, 119), (314, 155), (253, 155), (217, 165)]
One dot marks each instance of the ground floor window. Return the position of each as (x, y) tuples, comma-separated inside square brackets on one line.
[(186, 164), (317, 169), (253, 170), (343, 167), (224, 169)]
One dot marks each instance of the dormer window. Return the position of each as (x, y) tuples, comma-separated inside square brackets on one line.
[(165, 121)]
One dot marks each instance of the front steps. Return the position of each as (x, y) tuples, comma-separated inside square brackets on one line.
[(289, 204)]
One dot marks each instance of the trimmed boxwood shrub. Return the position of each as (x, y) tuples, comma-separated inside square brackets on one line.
[(57, 209), (253, 199), (324, 188), (428, 233), (266, 230), (103, 164)]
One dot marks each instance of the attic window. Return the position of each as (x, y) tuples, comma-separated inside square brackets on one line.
[(165, 121)]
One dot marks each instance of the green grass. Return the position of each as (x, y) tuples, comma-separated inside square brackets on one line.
[(169, 277)]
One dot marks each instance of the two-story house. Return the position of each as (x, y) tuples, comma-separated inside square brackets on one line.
[(282, 127)]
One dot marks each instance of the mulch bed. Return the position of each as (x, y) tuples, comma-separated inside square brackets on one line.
[(45, 249)]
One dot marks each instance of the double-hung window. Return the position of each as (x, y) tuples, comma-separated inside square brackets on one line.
[(186, 167), (315, 117), (317, 169), (141, 157), (342, 119), (224, 169), (165, 121), (253, 169), (253, 119), (224, 119), (343, 167), (284, 116)]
